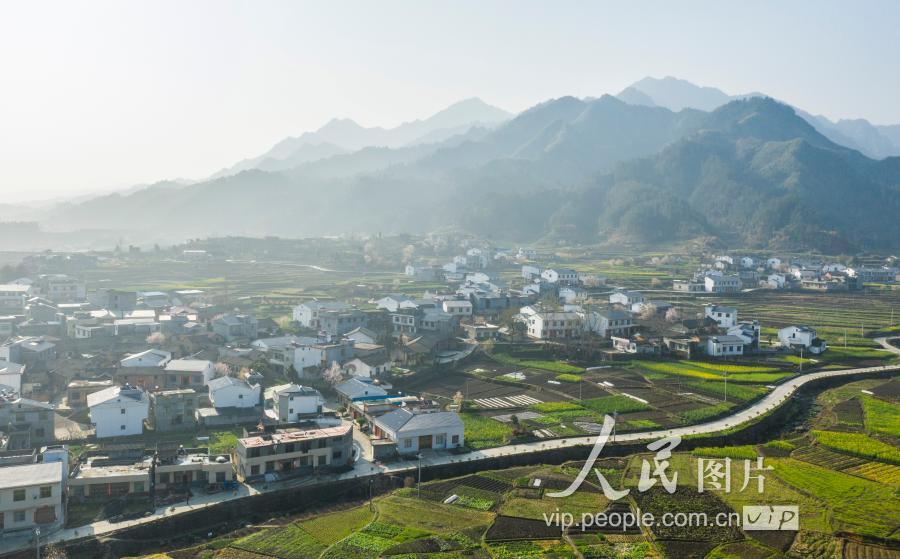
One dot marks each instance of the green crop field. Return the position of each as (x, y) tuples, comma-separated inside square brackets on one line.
[(880, 416), (858, 445), (484, 432), (744, 452), (858, 505), (614, 403)]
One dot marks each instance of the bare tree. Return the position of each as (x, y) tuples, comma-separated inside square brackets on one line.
[(222, 369), (673, 315), (156, 338), (333, 375), (458, 399), (648, 311)]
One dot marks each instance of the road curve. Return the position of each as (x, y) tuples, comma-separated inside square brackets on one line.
[(886, 344), (772, 400)]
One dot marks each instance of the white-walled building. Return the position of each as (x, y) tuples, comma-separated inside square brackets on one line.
[(419, 430), (560, 275), (11, 375), (148, 358), (776, 281), (189, 372), (609, 322), (231, 392), (292, 402), (31, 496), (367, 367), (725, 317), (118, 411), (549, 325), (457, 307), (307, 314), (724, 346), (13, 297), (796, 337), (626, 298)]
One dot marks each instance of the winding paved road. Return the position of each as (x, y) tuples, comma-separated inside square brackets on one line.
[(364, 468)]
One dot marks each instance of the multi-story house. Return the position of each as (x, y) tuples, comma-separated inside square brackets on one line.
[(31, 496), (725, 317), (28, 423), (118, 411), (235, 326), (294, 451), (307, 314), (290, 403)]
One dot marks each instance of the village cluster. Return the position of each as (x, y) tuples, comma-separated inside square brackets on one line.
[(181, 364)]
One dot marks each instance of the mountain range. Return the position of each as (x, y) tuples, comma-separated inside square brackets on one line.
[(663, 162), (876, 141)]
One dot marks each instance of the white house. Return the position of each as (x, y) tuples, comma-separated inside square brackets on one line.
[(748, 262), (609, 322), (834, 267), (549, 325), (560, 275), (802, 336), (362, 335), (307, 313), (118, 411), (11, 375), (190, 371), (13, 297), (419, 430), (148, 358), (776, 281), (572, 295), (395, 302), (626, 298), (231, 392), (367, 367), (724, 346), (291, 402), (725, 317), (457, 307), (31, 496), (530, 272), (773, 263)]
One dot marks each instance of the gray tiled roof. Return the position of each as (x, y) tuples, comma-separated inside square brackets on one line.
[(403, 420)]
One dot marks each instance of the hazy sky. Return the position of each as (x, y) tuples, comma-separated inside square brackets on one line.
[(95, 95)]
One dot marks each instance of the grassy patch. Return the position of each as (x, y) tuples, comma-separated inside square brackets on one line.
[(428, 515), (547, 365), (880, 416), (617, 402), (484, 432), (329, 528), (567, 377)]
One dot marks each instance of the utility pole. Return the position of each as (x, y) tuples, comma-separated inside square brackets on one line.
[(615, 420), (801, 359), (419, 484), (37, 543), (726, 386)]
